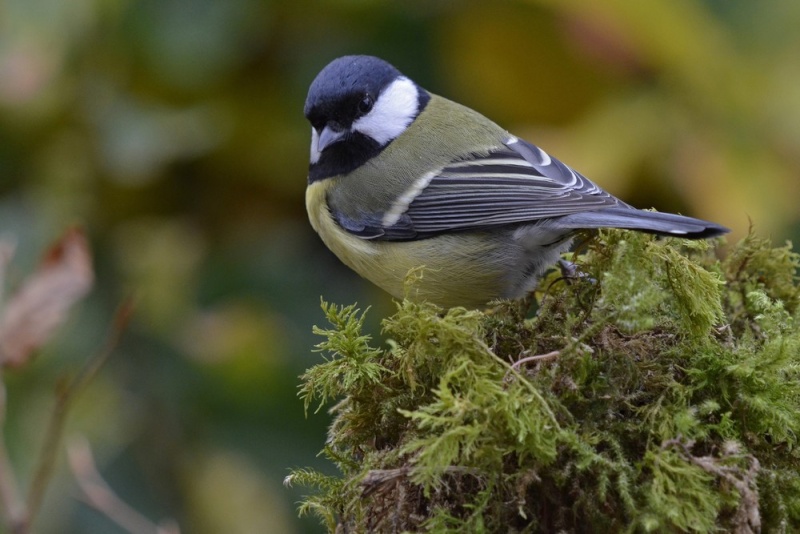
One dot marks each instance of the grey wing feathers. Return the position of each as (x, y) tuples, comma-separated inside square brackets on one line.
[(515, 184), (643, 221), (520, 183)]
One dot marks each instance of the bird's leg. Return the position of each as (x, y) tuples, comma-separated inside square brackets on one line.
[(570, 271)]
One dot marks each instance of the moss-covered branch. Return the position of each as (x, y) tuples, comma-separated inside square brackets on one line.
[(669, 399)]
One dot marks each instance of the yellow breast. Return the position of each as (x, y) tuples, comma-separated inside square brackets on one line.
[(448, 276)]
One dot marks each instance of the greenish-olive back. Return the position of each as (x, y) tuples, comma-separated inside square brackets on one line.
[(445, 131)]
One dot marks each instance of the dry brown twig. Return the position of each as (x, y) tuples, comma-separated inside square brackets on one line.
[(29, 319), (65, 395), (538, 358), (748, 517), (98, 494)]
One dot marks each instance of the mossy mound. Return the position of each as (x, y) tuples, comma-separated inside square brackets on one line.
[(657, 391)]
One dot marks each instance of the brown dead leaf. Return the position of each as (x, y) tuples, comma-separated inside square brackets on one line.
[(41, 304)]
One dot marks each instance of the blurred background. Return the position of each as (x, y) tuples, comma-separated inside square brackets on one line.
[(172, 130)]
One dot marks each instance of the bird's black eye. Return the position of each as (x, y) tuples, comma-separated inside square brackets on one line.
[(365, 104)]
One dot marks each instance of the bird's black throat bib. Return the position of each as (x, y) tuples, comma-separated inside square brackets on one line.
[(344, 157)]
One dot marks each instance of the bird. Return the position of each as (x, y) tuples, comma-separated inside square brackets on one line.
[(401, 179)]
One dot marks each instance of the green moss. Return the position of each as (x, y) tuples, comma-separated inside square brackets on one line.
[(660, 392)]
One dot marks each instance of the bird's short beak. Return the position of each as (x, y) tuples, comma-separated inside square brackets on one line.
[(329, 136)]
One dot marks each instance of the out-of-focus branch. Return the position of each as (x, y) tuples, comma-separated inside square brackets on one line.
[(13, 507), (102, 498), (11, 504), (64, 397)]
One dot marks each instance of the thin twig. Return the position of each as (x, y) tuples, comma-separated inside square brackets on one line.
[(98, 494), (11, 504), (539, 357), (65, 395), (748, 517)]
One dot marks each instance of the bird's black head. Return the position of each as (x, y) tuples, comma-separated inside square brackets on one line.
[(356, 106)]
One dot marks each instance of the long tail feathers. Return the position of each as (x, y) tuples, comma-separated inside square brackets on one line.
[(644, 221)]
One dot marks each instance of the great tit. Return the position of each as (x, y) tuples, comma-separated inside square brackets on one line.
[(401, 178)]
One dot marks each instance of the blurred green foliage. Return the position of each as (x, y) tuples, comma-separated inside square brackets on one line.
[(173, 131)]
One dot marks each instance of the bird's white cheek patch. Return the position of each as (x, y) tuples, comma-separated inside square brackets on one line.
[(314, 144), (394, 110)]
